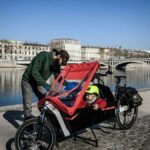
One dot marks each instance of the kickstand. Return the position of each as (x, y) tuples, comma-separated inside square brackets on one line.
[(87, 139), (57, 145), (95, 138), (114, 125)]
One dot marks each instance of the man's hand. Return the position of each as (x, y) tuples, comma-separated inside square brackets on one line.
[(66, 83), (47, 87)]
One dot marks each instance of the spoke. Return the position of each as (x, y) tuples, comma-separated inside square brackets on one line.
[(124, 121)]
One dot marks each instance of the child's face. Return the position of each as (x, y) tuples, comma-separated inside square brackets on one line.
[(90, 97)]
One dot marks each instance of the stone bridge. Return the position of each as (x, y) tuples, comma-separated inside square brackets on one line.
[(123, 63), (113, 63)]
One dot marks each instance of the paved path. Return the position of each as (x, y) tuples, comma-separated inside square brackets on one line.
[(136, 138)]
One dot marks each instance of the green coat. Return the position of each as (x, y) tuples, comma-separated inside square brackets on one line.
[(40, 69)]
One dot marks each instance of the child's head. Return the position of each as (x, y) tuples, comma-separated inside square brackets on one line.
[(92, 93)]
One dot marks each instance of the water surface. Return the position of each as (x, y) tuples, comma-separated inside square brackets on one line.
[(10, 79)]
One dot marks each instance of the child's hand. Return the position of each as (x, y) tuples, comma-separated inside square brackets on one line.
[(95, 107)]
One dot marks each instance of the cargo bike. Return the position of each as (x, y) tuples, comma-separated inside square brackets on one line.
[(60, 115)]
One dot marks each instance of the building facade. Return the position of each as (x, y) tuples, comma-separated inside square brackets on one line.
[(89, 53), (72, 46), (107, 53), (17, 50), (12, 51)]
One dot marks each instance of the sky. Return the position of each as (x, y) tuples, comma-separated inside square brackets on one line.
[(112, 23)]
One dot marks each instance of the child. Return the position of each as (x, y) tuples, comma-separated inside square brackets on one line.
[(92, 98)]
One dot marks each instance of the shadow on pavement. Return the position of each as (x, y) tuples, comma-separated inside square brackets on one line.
[(13, 116)]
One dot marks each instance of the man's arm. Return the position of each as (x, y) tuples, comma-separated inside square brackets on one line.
[(36, 67)]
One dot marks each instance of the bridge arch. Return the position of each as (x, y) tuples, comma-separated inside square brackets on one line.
[(122, 65), (104, 64)]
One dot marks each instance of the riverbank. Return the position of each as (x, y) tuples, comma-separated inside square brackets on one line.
[(10, 64)]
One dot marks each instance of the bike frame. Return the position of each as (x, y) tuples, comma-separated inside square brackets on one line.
[(119, 93)]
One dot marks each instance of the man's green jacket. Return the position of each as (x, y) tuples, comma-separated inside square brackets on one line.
[(40, 69)]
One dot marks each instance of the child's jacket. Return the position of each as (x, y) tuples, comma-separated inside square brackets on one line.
[(101, 103)]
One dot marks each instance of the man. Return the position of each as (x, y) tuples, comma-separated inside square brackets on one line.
[(37, 73)]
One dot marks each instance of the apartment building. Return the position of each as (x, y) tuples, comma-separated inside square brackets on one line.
[(107, 53), (72, 46), (17, 50), (89, 53)]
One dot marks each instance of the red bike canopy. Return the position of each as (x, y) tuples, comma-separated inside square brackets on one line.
[(83, 72)]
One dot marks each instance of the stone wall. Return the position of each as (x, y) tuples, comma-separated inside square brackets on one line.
[(8, 64)]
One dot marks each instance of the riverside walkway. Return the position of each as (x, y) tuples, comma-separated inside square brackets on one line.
[(135, 138)]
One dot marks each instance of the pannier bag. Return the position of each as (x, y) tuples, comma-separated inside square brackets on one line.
[(133, 97)]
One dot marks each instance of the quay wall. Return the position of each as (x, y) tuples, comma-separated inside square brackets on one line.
[(10, 64)]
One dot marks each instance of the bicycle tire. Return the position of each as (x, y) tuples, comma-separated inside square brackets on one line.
[(133, 111), (26, 137)]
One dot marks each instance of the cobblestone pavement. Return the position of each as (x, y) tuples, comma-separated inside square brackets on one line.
[(135, 138)]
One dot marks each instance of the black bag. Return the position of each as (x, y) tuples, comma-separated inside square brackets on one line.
[(133, 97)]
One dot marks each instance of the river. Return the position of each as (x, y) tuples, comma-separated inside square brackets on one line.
[(10, 78)]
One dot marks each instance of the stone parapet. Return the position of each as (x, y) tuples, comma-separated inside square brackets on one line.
[(9, 64)]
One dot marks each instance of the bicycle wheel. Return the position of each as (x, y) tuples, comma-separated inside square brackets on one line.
[(125, 116), (29, 137)]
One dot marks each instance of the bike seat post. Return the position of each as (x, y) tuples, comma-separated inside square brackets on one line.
[(118, 82), (119, 78), (116, 87)]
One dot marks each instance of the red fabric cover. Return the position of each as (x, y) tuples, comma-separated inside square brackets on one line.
[(74, 72), (78, 71)]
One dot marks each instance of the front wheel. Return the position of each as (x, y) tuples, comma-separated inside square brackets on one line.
[(125, 115), (31, 135)]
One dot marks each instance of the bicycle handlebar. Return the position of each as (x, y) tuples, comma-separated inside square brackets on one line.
[(98, 74), (120, 77)]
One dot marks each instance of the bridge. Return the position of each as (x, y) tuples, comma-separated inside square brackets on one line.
[(123, 63), (113, 63)]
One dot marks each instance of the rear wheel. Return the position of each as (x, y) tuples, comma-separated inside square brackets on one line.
[(125, 115), (31, 135)]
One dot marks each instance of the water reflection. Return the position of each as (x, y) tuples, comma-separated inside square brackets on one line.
[(138, 78), (10, 79), (10, 90)]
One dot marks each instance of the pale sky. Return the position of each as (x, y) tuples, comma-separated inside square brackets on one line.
[(111, 23)]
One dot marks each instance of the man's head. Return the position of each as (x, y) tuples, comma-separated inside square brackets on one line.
[(92, 93), (61, 56)]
